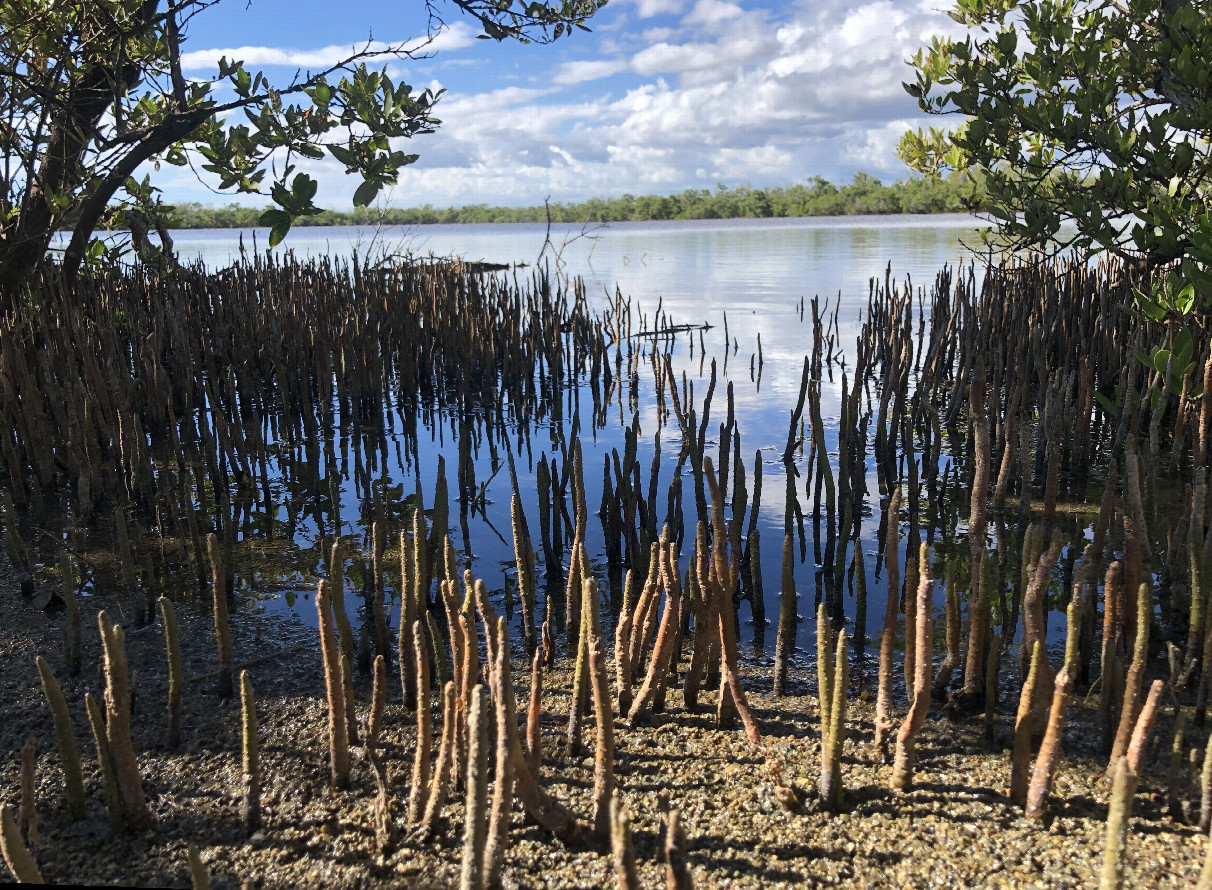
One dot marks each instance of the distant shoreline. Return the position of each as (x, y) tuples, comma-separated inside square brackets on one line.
[(308, 224), (839, 218), (864, 196)]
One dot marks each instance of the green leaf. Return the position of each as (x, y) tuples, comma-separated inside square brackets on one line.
[(1150, 306), (279, 222), (344, 155), (1109, 407), (280, 194), (304, 188), (366, 192), (1182, 346), (278, 232), (1184, 300)]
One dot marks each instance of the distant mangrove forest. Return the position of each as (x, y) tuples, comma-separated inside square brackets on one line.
[(864, 195)]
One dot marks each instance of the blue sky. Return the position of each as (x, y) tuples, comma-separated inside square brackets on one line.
[(663, 95)]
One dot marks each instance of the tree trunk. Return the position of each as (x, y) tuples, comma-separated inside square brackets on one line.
[(60, 169)]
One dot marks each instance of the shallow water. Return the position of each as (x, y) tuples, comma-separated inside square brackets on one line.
[(752, 281), (749, 275)]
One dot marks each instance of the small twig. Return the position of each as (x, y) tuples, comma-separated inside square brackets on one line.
[(673, 329), (247, 664)]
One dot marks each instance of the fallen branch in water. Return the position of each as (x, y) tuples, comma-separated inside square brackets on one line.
[(674, 329)]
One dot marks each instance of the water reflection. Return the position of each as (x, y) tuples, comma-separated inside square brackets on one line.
[(749, 284)]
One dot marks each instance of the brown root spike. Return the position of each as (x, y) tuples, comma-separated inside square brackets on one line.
[(902, 769)]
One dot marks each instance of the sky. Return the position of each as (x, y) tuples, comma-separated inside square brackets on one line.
[(662, 96)]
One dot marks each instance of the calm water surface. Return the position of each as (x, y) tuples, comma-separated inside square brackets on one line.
[(747, 275), (754, 272)]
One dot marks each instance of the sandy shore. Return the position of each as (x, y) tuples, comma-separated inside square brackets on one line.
[(750, 816)]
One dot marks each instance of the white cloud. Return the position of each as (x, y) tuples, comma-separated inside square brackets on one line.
[(727, 93), (656, 35), (743, 163), (478, 109), (712, 12), (879, 28), (566, 157), (789, 35), (667, 57), (875, 149), (722, 58), (580, 72), (456, 36), (649, 8), (809, 61)]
